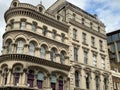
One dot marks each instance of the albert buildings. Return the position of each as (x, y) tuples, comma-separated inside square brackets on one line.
[(61, 48)]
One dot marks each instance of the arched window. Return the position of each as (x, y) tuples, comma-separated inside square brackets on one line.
[(53, 82), (5, 75), (87, 81), (9, 48), (32, 49), (42, 52), (20, 46), (97, 82), (105, 84), (40, 9), (15, 4), (52, 55), (62, 57), (61, 83), (30, 78), (40, 79), (17, 71), (76, 78)]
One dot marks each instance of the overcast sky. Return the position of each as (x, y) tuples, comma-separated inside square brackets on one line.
[(108, 11)]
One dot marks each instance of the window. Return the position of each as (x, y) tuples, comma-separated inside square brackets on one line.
[(12, 23), (30, 78), (113, 48), (62, 37), (109, 39), (40, 79), (53, 82), (23, 24), (91, 25), (15, 4), (31, 49), (97, 82), (58, 17), (93, 41), (83, 21), (62, 57), (5, 75), (74, 34), (52, 55), (94, 60), (101, 44), (54, 34), (74, 16), (34, 26), (118, 46), (105, 83), (9, 48), (75, 53), (76, 79), (103, 63), (87, 81), (85, 57), (60, 83), (84, 37), (98, 28), (20, 46), (115, 37), (17, 71), (44, 31), (42, 52)]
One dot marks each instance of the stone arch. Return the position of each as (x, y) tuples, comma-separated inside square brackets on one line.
[(39, 68), (7, 39), (60, 73), (54, 47), (33, 40), (19, 36)]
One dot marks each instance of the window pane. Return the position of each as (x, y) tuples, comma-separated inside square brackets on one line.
[(75, 53), (112, 48), (20, 46), (31, 49), (40, 76), (118, 46), (74, 34), (115, 37), (42, 52)]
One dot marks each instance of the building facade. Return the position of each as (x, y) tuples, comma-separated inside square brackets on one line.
[(113, 40), (61, 48)]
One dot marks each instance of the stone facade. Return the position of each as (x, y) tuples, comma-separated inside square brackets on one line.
[(61, 48), (113, 39)]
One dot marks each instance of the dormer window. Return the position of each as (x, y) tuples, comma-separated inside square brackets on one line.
[(91, 25), (40, 9), (15, 4), (83, 21), (58, 17)]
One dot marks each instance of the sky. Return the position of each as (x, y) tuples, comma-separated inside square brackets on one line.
[(108, 11)]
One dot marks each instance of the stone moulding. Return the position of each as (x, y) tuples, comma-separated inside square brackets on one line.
[(35, 15), (28, 58)]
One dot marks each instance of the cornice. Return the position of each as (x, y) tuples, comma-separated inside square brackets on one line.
[(85, 14), (28, 58), (87, 29), (35, 35), (35, 15)]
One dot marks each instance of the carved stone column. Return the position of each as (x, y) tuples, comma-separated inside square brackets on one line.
[(37, 52), (92, 83), (24, 77), (82, 81), (26, 46), (9, 77), (0, 77)]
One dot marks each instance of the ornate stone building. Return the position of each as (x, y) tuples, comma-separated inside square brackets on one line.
[(113, 40), (61, 48)]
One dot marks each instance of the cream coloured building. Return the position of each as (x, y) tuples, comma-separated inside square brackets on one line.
[(61, 48)]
